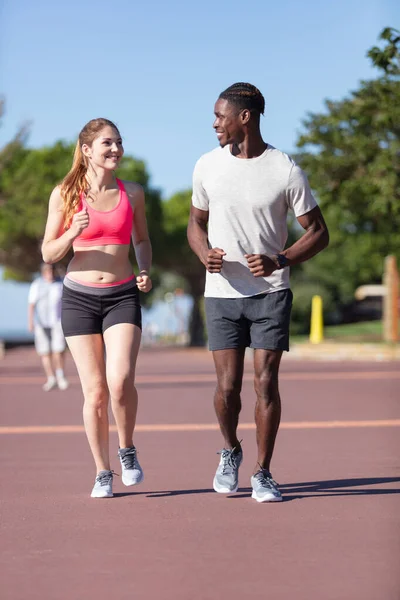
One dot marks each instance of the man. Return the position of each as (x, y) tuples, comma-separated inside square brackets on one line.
[(44, 318), (238, 229)]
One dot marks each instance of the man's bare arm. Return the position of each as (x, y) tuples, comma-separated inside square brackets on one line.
[(315, 238), (198, 241)]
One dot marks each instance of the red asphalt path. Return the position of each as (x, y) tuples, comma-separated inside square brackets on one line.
[(335, 536)]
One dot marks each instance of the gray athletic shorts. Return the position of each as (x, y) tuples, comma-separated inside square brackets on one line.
[(260, 321), (48, 340)]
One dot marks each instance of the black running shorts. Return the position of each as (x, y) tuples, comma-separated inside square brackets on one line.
[(86, 310)]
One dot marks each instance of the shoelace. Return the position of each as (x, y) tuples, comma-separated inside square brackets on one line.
[(105, 478), (229, 457), (129, 459), (264, 477)]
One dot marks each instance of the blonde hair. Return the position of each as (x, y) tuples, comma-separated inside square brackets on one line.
[(75, 182)]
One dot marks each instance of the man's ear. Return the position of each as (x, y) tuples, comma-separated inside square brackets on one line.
[(245, 116)]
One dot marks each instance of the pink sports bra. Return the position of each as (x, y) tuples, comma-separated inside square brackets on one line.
[(109, 226)]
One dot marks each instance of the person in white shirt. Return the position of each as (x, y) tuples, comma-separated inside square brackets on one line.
[(44, 319), (242, 192)]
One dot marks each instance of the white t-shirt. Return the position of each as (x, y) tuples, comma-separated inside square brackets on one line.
[(46, 296), (248, 202)]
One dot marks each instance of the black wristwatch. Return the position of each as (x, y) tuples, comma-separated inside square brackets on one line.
[(281, 261)]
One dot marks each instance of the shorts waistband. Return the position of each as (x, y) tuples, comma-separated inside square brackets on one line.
[(98, 291), (101, 285)]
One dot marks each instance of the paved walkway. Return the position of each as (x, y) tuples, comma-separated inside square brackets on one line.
[(334, 351), (335, 537)]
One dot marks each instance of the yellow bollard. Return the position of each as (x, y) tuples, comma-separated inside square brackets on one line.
[(391, 301), (317, 321)]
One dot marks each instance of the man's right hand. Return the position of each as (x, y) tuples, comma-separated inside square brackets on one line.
[(80, 221), (213, 261)]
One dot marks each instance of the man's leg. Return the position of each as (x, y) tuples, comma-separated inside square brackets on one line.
[(47, 366), (43, 348), (229, 369), (58, 347), (228, 337), (58, 360), (48, 369), (270, 316), (268, 404)]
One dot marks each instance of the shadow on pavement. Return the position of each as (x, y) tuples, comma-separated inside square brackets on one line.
[(162, 493), (125, 494), (293, 491), (330, 488), (179, 493)]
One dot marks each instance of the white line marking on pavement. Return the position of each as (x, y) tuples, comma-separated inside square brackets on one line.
[(168, 427)]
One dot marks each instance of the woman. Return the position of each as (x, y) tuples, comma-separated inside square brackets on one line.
[(97, 215)]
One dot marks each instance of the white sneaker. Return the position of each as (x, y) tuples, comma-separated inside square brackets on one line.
[(62, 383), (50, 384), (132, 472), (103, 485), (265, 488), (226, 480)]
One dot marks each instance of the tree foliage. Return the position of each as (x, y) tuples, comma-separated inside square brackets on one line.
[(180, 259), (351, 155), (387, 58)]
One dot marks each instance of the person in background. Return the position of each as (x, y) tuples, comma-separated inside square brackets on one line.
[(44, 319)]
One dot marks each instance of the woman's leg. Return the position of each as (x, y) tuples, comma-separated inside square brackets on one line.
[(88, 354), (122, 343)]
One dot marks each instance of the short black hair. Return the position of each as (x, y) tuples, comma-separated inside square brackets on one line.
[(244, 96)]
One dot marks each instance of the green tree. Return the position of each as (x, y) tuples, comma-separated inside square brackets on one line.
[(8, 152), (351, 155), (179, 258), (11, 153), (26, 183)]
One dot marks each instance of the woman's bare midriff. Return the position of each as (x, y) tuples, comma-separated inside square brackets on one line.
[(100, 264)]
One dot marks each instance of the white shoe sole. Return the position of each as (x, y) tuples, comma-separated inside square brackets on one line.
[(223, 490), (99, 495), (63, 386), (266, 498), (48, 389), (129, 482)]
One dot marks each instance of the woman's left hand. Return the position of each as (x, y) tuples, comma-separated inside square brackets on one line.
[(144, 282)]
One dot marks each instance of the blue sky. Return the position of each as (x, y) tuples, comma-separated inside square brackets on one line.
[(156, 68)]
